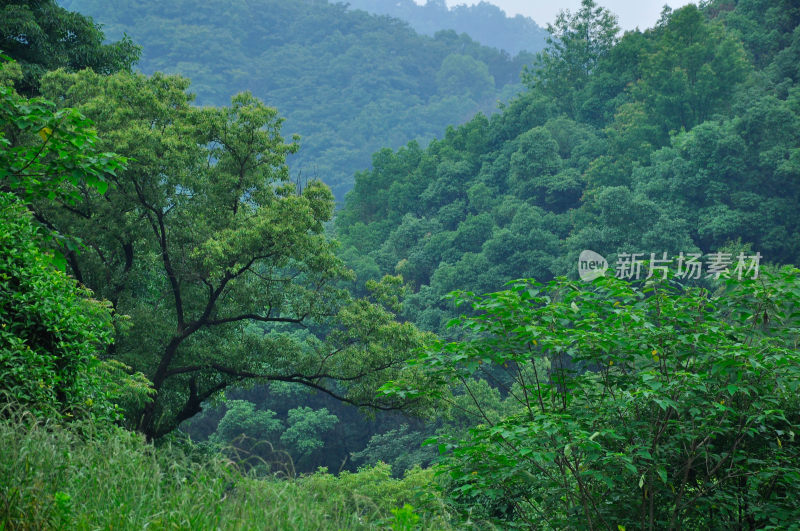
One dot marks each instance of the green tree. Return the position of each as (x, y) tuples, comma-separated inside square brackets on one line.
[(51, 329), (305, 430), (215, 256), (249, 436), (42, 36), (692, 73), (242, 419), (461, 74), (577, 43), (535, 159)]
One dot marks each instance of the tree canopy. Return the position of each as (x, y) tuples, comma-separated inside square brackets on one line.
[(348, 82), (41, 36), (220, 263), (668, 140), (52, 330)]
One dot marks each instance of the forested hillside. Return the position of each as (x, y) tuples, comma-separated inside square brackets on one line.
[(682, 138), (483, 22), (347, 82), (192, 337)]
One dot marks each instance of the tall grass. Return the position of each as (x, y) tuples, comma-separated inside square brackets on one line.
[(79, 477)]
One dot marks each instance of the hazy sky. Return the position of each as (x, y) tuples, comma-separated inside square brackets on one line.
[(631, 13)]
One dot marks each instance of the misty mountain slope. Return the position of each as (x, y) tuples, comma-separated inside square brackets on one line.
[(347, 82), (483, 22), (680, 139)]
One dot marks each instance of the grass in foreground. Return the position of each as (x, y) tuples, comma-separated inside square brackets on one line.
[(82, 478)]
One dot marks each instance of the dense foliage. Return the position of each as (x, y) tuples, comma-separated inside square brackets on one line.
[(645, 407), (51, 329), (682, 138), (42, 146), (483, 22), (221, 264), (349, 83), (196, 259), (40, 35)]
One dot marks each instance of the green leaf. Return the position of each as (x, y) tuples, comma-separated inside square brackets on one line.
[(58, 260)]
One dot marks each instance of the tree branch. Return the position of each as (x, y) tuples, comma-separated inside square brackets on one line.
[(256, 317)]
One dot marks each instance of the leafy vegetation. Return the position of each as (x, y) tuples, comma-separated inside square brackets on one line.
[(43, 36), (349, 83), (42, 146), (682, 138), (187, 285), (645, 407), (219, 261), (51, 328)]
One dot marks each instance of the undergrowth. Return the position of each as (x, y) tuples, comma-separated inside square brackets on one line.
[(83, 477)]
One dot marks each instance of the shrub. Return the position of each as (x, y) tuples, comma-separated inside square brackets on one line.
[(50, 328), (639, 406)]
